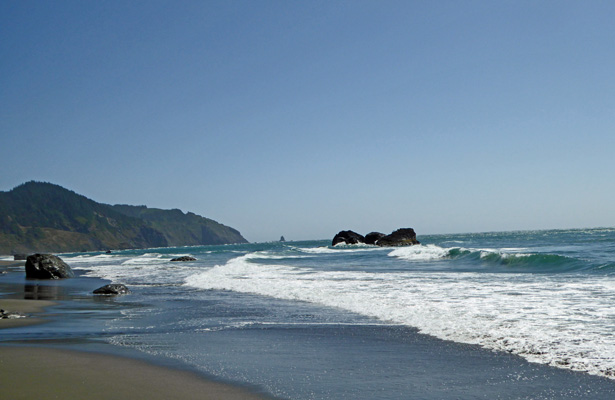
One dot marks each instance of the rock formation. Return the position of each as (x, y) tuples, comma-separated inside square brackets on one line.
[(373, 237), (47, 266), (112, 289), (184, 258), (348, 237), (401, 237)]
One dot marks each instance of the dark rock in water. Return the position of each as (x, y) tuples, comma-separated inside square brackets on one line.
[(348, 237), (11, 314), (401, 237), (373, 237), (108, 252), (19, 257), (112, 289), (282, 239), (184, 258), (47, 266)]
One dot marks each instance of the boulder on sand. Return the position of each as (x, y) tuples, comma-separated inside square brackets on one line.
[(348, 237), (47, 266), (401, 237)]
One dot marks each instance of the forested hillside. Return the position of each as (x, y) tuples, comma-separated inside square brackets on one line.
[(37, 217)]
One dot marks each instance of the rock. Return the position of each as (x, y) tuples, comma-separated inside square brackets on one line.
[(372, 237), (348, 237), (47, 266), (184, 258), (282, 239), (401, 237), (108, 252), (19, 257), (112, 289), (11, 314)]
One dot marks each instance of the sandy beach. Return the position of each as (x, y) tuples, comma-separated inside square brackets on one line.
[(30, 308), (28, 372), (168, 340), (43, 373)]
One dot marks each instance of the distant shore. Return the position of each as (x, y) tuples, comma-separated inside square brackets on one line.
[(31, 372)]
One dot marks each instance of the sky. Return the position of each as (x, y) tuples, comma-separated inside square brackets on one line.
[(304, 118)]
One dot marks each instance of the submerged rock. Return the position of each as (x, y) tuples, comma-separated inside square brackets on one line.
[(373, 237), (184, 258), (112, 289), (348, 237), (401, 237), (47, 266)]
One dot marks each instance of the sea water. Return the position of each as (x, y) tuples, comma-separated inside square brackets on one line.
[(306, 320)]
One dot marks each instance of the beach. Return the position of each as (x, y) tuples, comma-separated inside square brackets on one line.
[(517, 318), (44, 373), (37, 372)]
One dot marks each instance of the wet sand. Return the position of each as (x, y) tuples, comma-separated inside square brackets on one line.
[(43, 373), (49, 373), (28, 307)]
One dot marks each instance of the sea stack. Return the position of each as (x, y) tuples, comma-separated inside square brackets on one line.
[(401, 237)]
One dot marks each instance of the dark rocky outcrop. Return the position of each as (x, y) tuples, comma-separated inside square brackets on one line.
[(373, 237), (47, 266), (112, 289), (348, 237), (401, 237), (184, 258)]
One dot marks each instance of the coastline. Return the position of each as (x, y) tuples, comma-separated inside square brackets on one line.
[(309, 360), (42, 370)]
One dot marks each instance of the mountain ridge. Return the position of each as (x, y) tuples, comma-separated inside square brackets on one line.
[(45, 217)]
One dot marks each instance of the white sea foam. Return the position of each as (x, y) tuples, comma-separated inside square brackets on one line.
[(267, 255), (144, 269), (147, 259), (420, 252), (557, 320), (347, 248), (84, 258)]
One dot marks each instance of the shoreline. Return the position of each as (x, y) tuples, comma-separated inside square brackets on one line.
[(26, 308), (60, 368), (427, 367)]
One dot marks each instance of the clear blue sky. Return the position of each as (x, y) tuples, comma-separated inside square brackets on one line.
[(305, 118)]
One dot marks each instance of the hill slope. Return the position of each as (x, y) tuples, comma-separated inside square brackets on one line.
[(41, 217)]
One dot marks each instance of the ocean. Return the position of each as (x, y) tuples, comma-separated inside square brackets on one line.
[(483, 315)]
